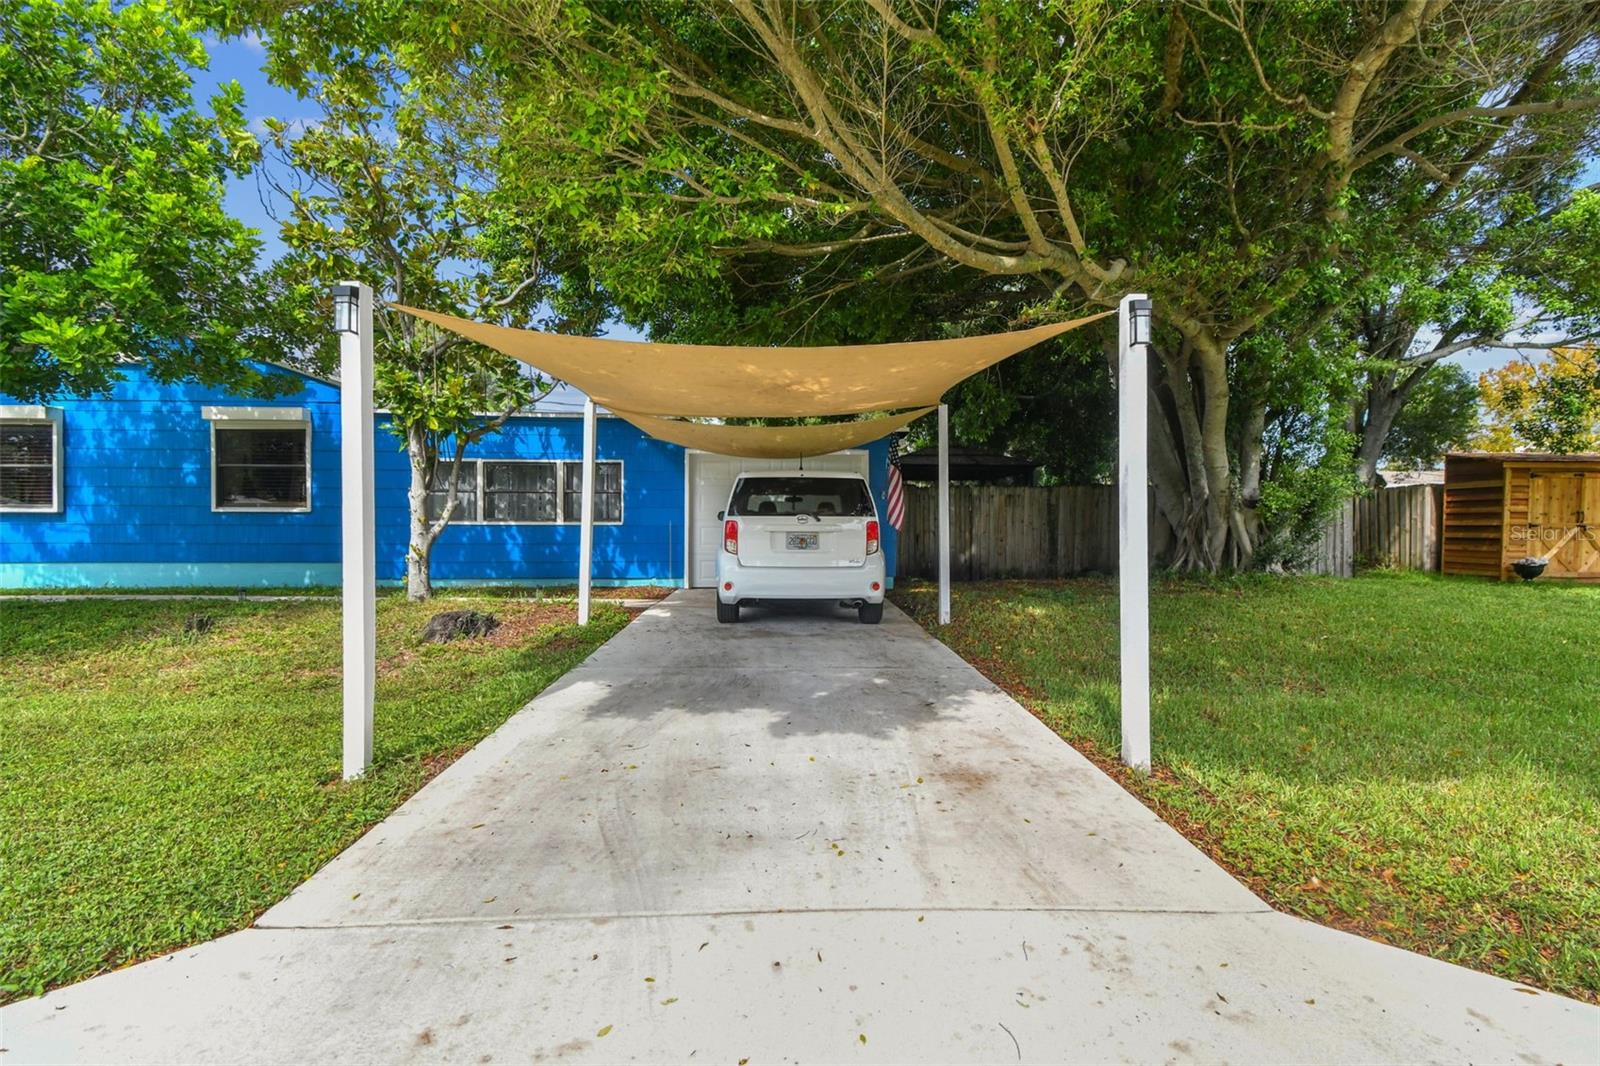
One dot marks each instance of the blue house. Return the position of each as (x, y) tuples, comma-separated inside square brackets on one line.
[(161, 485)]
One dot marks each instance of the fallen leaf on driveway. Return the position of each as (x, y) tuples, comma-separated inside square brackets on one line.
[(604, 1031)]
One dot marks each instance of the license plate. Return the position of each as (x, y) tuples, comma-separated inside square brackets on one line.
[(801, 542)]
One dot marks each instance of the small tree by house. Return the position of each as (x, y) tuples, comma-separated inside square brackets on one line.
[(442, 396), (377, 191)]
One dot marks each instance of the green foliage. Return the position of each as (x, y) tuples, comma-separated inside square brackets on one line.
[(187, 801), (1337, 745), (1054, 404), (1252, 168), (114, 244), (1440, 414), (1302, 496), (377, 192), (1552, 405)]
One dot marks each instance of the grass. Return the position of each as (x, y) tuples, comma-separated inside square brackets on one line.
[(164, 787), (1410, 757)]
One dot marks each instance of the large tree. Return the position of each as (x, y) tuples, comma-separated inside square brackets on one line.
[(1229, 158), (114, 244), (1525, 277), (1440, 415)]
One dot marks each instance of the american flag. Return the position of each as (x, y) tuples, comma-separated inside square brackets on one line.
[(897, 490)]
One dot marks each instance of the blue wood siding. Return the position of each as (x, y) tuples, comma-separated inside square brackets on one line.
[(137, 503), (136, 497), (647, 546)]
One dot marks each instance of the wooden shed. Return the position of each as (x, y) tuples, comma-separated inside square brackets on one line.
[(1503, 506)]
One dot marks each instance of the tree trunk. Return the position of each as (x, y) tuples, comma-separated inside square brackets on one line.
[(419, 550), (1385, 397), (1192, 461), (1387, 338), (1382, 403)]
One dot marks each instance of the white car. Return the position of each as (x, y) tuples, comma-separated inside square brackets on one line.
[(798, 535)]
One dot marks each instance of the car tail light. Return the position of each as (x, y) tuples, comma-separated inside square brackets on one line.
[(872, 536), (730, 537)]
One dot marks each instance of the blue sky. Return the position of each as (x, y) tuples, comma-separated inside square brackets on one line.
[(240, 60)]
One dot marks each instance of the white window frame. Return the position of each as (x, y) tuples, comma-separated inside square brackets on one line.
[(483, 497), (562, 518), (255, 418), (622, 493), (476, 475), (35, 414)]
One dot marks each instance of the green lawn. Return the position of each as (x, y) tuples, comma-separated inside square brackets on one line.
[(1411, 757), (160, 788)]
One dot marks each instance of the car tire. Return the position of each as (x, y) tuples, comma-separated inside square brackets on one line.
[(871, 613), (727, 612)]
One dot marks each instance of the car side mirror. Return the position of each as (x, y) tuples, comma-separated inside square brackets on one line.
[(721, 515)]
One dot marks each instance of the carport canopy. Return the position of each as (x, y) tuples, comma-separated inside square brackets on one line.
[(729, 381), (772, 442), (660, 387)]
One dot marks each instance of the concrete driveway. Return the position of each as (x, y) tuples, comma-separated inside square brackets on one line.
[(796, 839)]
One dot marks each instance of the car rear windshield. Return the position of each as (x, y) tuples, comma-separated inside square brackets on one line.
[(817, 496)]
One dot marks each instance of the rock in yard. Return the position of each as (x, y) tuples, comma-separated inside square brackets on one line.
[(449, 625)]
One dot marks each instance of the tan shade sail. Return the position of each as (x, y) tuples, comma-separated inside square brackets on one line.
[(727, 381), (770, 442)]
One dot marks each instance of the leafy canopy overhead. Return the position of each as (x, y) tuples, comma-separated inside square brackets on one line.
[(114, 244), (811, 172)]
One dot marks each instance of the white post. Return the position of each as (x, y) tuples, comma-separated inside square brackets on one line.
[(586, 528), (944, 514), (1133, 537), (359, 576)]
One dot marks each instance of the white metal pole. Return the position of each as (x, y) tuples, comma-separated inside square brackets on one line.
[(586, 529), (944, 514), (359, 574), (1133, 540)]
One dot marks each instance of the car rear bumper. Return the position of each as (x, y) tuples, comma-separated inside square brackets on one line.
[(801, 583)]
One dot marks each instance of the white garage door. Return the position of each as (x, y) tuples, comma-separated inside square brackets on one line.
[(711, 480)]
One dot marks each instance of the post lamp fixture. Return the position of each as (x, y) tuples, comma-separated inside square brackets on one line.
[(346, 309), (1139, 324)]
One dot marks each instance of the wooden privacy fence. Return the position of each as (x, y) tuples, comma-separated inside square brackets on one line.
[(1058, 531), (1399, 527), (1000, 532)]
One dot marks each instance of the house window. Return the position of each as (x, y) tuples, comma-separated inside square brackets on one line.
[(607, 492), (261, 467), (466, 491), (519, 492), (30, 459), (525, 492)]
